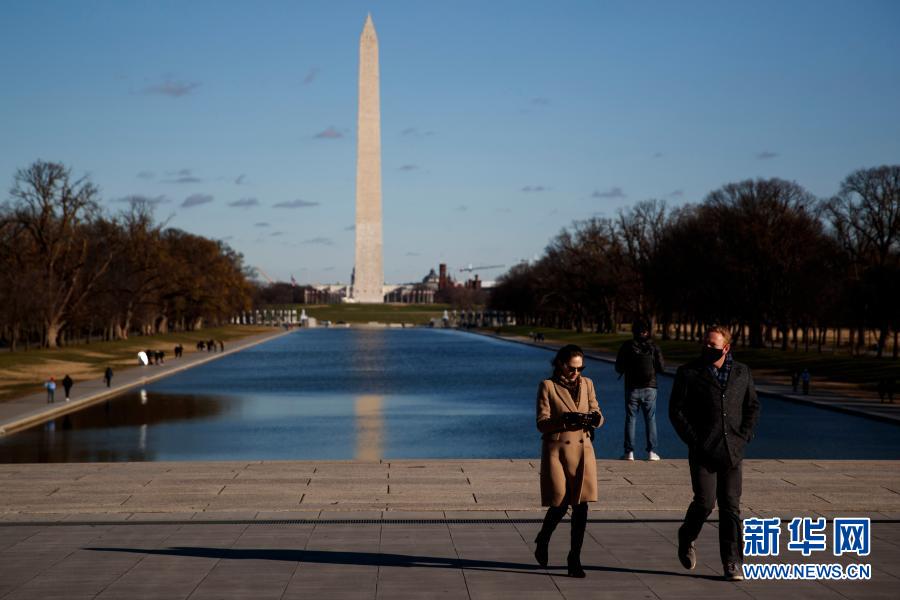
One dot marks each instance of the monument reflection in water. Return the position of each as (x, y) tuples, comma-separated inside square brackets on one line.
[(373, 394), (368, 407), (369, 428)]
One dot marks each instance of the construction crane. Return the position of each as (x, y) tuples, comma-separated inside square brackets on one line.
[(470, 268), (264, 274)]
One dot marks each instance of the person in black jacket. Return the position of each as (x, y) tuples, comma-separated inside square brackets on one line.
[(640, 360), (714, 410), (68, 382)]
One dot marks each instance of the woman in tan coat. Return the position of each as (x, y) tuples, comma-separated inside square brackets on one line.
[(567, 413)]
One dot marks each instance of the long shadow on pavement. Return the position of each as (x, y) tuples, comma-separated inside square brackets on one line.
[(379, 559)]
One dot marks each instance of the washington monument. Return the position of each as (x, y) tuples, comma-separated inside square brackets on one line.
[(368, 278)]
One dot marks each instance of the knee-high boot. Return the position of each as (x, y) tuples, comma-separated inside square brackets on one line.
[(551, 520), (579, 523)]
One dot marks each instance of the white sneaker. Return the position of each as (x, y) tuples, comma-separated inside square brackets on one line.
[(653, 456), (628, 456)]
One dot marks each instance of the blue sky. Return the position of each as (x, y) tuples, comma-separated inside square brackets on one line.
[(502, 122)]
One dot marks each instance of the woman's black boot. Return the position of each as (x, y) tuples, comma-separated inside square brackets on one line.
[(579, 523), (551, 520)]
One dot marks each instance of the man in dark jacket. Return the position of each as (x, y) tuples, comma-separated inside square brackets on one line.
[(714, 410), (640, 360), (68, 382)]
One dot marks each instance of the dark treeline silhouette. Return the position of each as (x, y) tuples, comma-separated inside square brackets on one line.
[(69, 271), (763, 256), (278, 293)]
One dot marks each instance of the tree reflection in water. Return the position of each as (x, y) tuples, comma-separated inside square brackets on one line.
[(100, 433)]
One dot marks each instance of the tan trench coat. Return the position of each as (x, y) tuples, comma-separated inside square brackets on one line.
[(568, 465)]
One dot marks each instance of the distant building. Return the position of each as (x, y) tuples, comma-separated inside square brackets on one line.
[(423, 292), (329, 293)]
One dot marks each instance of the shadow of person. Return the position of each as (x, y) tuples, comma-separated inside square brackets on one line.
[(333, 557)]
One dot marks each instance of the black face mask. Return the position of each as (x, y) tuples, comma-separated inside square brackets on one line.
[(710, 355)]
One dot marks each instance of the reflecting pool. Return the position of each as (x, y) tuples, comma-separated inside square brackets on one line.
[(390, 393)]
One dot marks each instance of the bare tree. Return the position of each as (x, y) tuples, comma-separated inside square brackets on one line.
[(865, 219), (54, 211)]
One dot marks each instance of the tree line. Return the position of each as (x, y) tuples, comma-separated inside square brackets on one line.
[(764, 256), (71, 271)]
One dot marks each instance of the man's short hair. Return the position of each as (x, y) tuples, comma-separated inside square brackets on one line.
[(725, 332), (640, 326)]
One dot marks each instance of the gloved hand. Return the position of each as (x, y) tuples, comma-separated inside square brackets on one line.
[(571, 420), (583, 420)]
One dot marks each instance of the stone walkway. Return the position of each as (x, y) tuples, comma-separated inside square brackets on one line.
[(404, 529), (253, 490), (33, 409), (390, 560)]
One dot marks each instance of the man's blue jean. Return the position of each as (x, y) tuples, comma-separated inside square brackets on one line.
[(645, 398)]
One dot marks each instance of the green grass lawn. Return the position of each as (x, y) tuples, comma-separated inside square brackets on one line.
[(417, 314), (23, 372), (841, 367)]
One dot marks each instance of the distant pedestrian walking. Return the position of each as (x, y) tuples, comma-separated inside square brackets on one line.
[(51, 390), (639, 359), (221, 346), (804, 377), (886, 389), (179, 350), (107, 376), (67, 385), (795, 380)]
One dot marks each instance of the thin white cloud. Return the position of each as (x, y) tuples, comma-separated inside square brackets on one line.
[(172, 88), (196, 200), (329, 134), (613, 192), (324, 241), (182, 176), (244, 203), (295, 204), (151, 200), (414, 132)]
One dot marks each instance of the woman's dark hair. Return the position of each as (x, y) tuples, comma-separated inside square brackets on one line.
[(563, 355)]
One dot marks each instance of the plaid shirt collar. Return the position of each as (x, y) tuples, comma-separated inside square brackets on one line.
[(722, 374)]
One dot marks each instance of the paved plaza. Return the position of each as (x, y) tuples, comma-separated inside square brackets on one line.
[(402, 529)]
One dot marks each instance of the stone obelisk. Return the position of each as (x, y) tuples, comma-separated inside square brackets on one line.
[(369, 270)]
